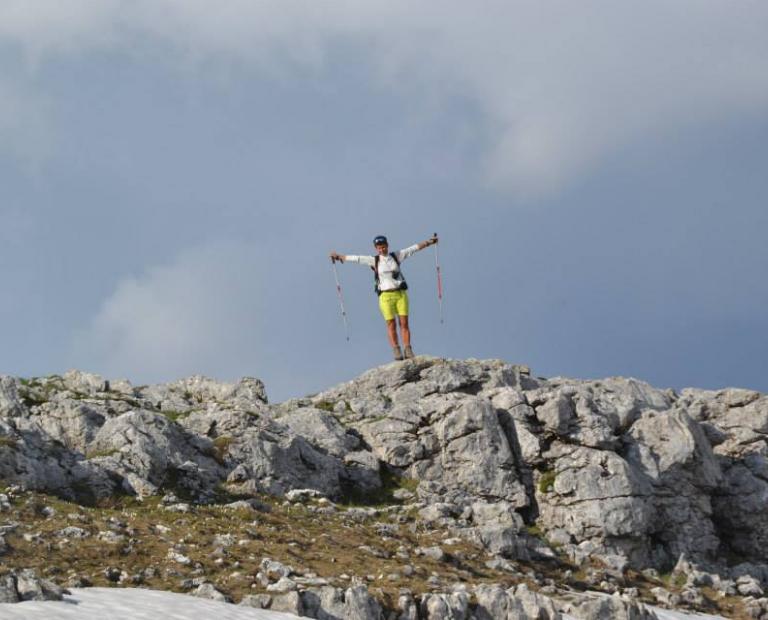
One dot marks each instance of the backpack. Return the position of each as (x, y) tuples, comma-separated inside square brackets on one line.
[(403, 284)]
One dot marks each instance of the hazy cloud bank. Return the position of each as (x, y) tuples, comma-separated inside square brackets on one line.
[(559, 87), (199, 313)]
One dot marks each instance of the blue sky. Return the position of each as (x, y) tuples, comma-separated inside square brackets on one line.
[(174, 175)]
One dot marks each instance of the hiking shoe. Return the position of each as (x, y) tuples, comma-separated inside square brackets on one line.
[(398, 353), (409, 353)]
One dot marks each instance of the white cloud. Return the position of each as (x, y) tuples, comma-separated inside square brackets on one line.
[(560, 86), (199, 313)]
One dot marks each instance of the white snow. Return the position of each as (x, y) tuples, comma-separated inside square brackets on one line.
[(140, 604), (666, 614), (133, 604)]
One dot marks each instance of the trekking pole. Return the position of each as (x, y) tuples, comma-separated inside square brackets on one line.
[(341, 299), (439, 283)]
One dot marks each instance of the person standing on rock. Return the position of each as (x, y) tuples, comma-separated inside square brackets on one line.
[(390, 287)]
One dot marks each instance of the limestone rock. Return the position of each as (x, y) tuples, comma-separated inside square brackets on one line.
[(32, 588), (495, 603), (209, 591), (445, 606), (611, 470), (612, 608), (8, 591), (360, 605)]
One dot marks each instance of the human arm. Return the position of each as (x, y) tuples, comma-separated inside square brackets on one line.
[(409, 251), (363, 260)]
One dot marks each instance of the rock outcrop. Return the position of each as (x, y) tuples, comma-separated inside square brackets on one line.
[(613, 471)]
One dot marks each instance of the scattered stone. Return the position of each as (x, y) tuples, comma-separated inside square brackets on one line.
[(289, 602), (224, 540), (374, 551), (302, 495), (73, 532), (179, 558), (433, 553), (79, 581), (111, 537), (275, 570), (208, 590), (8, 591), (32, 588), (749, 586), (284, 584), (692, 596), (666, 598), (259, 601), (112, 574)]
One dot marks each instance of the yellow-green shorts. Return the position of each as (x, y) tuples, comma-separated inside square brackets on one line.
[(393, 303)]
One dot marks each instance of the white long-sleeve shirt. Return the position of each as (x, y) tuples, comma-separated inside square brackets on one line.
[(390, 277)]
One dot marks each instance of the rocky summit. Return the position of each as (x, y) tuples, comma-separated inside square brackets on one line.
[(437, 489)]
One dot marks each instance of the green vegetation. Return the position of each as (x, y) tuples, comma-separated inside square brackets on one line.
[(547, 481), (174, 415), (535, 531), (7, 442), (673, 580), (38, 390)]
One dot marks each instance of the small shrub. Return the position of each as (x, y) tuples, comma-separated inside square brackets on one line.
[(547, 481), (174, 415)]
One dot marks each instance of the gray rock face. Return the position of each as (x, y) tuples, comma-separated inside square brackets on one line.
[(596, 493), (735, 423), (613, 470), (495, 603), (612, 608), (445, 606), (208, 591), (86, 438), (426, 419), (151, 451), (289, 602), (329, 603), (8, 591), (10, 401), (360, 605), (25, 585)]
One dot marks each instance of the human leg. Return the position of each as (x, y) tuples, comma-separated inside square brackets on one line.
[(388, 307), (392, 333), (405, 331)]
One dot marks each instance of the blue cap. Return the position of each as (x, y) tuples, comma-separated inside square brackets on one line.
[(380, 240)]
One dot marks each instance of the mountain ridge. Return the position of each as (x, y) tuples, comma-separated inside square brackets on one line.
[(612, 472)]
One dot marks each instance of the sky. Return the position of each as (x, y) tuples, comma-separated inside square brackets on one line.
[(175, 173)]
